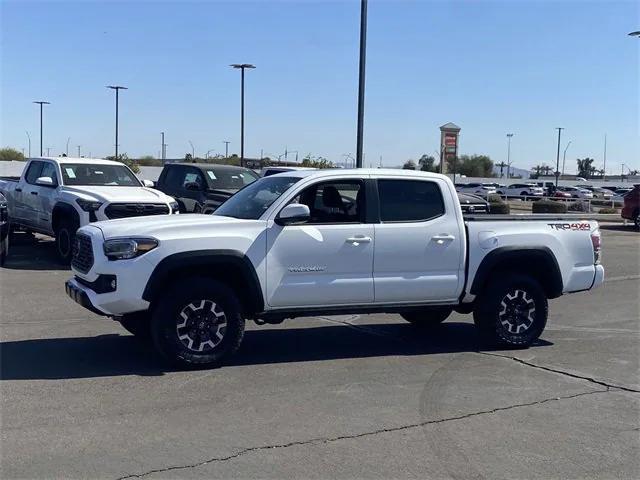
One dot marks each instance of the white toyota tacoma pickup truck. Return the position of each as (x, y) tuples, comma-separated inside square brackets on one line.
[(328, 242), (57, 195)]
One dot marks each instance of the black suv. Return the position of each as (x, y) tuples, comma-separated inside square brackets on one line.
[(202, 187)]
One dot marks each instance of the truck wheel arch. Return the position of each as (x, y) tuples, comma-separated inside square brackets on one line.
[(62, 210), (228, 266), (539, 262)]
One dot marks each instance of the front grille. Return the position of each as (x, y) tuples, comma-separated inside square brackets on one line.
[(82, 253), (126, 210)]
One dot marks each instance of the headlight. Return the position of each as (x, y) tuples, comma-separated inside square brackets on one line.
[(175, 208), (125, 248), (88, 205)]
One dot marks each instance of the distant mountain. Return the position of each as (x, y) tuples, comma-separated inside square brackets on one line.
[(512, 171)]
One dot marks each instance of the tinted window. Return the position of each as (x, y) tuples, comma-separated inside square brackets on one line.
[(98, 174), (229, 179), (49, 170), (409, 200), (34, 172), (334, 202)]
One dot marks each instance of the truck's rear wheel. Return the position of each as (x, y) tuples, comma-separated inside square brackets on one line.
[(427, 317), (65, 236), (512, 310), (138, 324), (198, 322)]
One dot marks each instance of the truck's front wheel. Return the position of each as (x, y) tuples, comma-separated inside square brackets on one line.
[(138, 324), (65, 235), (512, 310), (198, 322)]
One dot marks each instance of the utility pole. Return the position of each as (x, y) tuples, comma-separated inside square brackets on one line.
[(564, 156), (79, 150), (604, 167), (41, 103), (67, 150), (193, 151), (242, 67), (361, 81), (48, 151), (226, 148), (509, 135), (117, 88), (29, 139), (558, 155), (163, 153)]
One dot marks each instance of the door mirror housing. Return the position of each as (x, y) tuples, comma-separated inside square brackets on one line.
[(45, 181), (293, 214), (193, 186), (149, 183)]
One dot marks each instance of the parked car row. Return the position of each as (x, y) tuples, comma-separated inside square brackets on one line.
[(540, 189)]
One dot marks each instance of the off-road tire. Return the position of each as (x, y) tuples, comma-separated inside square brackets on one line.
[(178, 311), (138, 324), (65, 236), (506, 305), (427, 317)]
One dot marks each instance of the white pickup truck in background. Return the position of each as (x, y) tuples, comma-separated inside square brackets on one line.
[(55, 196), (324, 242)]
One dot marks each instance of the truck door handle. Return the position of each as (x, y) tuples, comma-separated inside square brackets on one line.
[(440, 239), (33, 193), (18, 189), (357, 240)]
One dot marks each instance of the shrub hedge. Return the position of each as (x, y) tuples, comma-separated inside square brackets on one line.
[(499, 208), (548, 206)]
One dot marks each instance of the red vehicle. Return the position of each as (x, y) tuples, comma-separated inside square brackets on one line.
[(631, 208), (561, 194)]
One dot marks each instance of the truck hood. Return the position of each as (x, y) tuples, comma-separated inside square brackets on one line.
[(119, 194), (167, 227)]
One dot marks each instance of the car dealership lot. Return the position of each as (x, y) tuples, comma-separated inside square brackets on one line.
[(351, 396)]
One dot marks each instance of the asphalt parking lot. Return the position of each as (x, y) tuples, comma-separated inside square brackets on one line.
[(337, 397)]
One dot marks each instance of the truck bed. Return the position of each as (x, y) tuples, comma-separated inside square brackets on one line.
[(540, 216)]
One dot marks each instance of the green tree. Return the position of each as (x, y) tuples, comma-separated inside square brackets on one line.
[(472, 166), (427, 163), (316, 162), (585, 167), (409, 165), (124, 158), (11, 154)]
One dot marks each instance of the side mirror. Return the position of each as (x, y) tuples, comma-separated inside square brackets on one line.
[(45, 181), (148, 183), (194, 186), (293, 214)]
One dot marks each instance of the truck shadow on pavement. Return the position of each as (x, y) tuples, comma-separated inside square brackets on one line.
[(32, 252), (118, 355)]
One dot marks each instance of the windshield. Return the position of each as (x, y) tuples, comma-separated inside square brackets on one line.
[(229, 179), (251, 202), (96, 174)]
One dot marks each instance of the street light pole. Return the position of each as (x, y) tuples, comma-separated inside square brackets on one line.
[(604, 167), (361, 81), (79, 150), (193, 150), (162, 151), (564, 156), (29, 138), (41, 103), (67, 150), (117, 88), (558, 155), (242, 67), (509, 135), (226, 148)]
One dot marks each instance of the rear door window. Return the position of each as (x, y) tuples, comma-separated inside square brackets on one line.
[(409, 200)]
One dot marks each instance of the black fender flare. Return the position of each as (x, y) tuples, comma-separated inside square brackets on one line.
[(63, 209), (521, 259), (206, 261)]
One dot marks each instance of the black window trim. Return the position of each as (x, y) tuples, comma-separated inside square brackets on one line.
[(444, 205), (26, 174), (363, 184)]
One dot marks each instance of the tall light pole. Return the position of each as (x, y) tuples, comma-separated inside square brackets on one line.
[(117, 88), (29, 139), (41, 103), (193, 150), (604, 167), (67, 149), (79, 150), (558, 155), (162, 148), (242, 67), (226, 148), (361, 82), (509, 135), (564, 155)]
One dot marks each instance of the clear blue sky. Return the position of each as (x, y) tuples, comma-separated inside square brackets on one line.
[(491, 67)]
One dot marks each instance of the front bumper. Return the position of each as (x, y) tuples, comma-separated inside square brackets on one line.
[(80, 297)]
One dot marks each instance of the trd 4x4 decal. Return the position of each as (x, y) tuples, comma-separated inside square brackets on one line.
[(569, 226)]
